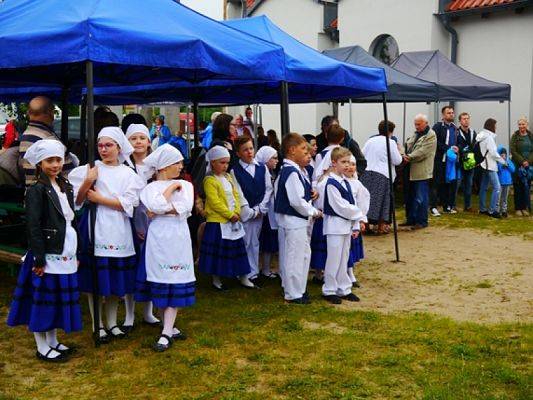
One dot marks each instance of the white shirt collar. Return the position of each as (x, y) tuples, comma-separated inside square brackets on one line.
[(291, 163), (246, 165), (338, 178)]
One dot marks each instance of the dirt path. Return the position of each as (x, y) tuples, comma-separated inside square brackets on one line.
[(463, 274)]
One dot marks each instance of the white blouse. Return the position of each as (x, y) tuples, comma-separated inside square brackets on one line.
[(375, 152), (169, 256), (113, 233)]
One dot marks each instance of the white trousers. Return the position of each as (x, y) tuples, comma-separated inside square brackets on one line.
[(295, 254), (252, 230), (336, 278)]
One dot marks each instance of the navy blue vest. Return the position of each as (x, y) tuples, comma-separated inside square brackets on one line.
[(281, 202), (324, 152), (253, 188), (310, 170), (345, 193)]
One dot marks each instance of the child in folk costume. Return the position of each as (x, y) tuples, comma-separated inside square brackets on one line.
[(222, 252), (362, 200), (268, 239), (293, 209), (254, 184), (47, 296), (139, 137), (335, 136), (114, 188), (310, 168), (319, 251), (166, 273), (340, 215)]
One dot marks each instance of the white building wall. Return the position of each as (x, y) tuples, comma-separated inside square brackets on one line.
[(499, 48)]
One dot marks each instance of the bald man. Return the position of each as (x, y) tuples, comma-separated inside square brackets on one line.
[(41, 126)]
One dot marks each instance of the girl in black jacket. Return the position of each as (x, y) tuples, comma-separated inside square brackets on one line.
[(46, 297)]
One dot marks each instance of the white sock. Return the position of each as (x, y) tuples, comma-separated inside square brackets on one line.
[(129, 304), (111, 310), (169, 318), (42, 345), (51, 339), (216, 281), (175, 331), (351, 275), (91, 310), (267, 258), (148, 312), (245, 281)]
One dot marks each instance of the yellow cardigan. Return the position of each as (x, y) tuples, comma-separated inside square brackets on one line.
[(216, 204)]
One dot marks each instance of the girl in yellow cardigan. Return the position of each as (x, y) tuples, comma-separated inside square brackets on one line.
[(222, 252)]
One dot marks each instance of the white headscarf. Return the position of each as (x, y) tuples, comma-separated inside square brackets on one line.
[(115, 133), (264, 154), (162, 157), (43, 149), (352, 159), (216, 153), (137, 128)]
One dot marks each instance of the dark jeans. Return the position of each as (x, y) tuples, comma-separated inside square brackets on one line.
[(416, 205), (466, 183), (522, 199), (442, 193)]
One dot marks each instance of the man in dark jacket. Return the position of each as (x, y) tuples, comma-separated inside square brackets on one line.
[(441, 191), (349, 142), (466, 137)]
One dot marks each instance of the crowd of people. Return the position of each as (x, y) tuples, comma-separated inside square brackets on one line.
[(228, 212)]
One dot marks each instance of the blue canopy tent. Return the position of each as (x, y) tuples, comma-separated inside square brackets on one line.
[(67, 46)]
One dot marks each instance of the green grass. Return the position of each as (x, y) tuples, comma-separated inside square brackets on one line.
[(249, 345)]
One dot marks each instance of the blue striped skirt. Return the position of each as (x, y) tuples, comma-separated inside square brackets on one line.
[(222, 257), (268, 238), (162, 295), (51, 301), (116, 275), (319, 246), (356, 251)]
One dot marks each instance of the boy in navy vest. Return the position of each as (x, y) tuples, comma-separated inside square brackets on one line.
[(335, 136), (341, 216), (293, 209), (254, 184)]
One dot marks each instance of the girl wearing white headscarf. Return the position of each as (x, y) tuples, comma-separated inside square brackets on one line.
[(139, 137), (268, 238), (166, 270), (47, 296), (222, 251), (114, 188)]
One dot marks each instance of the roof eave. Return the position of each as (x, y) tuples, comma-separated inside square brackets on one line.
[(515, 5)]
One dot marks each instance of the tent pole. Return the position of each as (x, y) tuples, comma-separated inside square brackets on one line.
[(196, 123), (92, 206), (391, 186), (509, 125), (188, 131), (284, 108), (335, 109), (351, 118), (403, 133), (83, 130), (64, 114), (255, 126)]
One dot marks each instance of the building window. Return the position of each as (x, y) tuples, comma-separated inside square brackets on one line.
[(385, 48)]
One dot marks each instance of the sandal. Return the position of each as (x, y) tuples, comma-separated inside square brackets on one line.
[(68, 351), (179, 336), (120, 335), (163, 347), (126, 328), (102, 339), (62, 357)]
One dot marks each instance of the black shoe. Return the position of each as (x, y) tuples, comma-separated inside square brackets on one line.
[(356, 284), (221, 288), (300, 300), (179, 336), (62, 357), (484, 212), (68, 351), (495, 215), (163, 347), (417, 227), (126, 328), (317, 281), (152, 324), (333, 299), (103, 339), (403, 224), (255, 286), (504, 214), (120, 335), (351, 297)]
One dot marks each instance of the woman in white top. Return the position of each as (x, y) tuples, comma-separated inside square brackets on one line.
[(114, 188), (376, 177), (166, 274)]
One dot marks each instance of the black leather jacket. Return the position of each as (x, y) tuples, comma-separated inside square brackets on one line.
[(45, 223)]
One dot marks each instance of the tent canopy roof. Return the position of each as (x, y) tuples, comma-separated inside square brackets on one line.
[(454, 83), (401, 87), (45, 43)]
